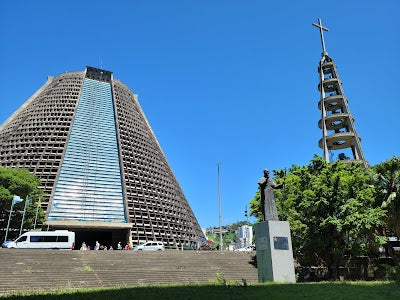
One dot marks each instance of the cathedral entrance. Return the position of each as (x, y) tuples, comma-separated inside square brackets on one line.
[(106, 233), (105, 238)]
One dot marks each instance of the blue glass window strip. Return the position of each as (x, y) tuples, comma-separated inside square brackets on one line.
[(89, 186)]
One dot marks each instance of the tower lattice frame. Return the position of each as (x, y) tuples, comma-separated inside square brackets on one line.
[(337, 122)]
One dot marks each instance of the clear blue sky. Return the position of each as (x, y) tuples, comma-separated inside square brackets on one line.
[(219, 81)]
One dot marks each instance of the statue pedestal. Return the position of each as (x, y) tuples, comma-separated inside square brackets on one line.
[(274, 252)]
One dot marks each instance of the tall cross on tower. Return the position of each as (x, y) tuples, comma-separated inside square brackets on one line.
[(321, 32)]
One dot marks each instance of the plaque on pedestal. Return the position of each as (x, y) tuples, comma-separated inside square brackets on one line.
[(274, 252)]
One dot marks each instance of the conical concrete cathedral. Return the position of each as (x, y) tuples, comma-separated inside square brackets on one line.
[(103, 171)]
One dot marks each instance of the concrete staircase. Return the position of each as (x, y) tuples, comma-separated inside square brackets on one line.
[(52, 269)]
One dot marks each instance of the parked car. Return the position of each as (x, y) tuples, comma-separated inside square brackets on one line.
[(59, 239), (150, 246), (394, 244), (208, 245), (4, 245), (247, 248)]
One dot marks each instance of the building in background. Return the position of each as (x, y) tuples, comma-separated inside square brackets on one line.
[(204, 230), (104, 174), (245, 236)]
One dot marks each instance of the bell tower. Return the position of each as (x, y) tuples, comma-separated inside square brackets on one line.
[(340, 140)]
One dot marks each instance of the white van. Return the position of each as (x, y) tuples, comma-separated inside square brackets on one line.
[(59, 239)]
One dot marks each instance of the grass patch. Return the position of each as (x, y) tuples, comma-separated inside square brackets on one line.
[(87, 268), (324, 290)]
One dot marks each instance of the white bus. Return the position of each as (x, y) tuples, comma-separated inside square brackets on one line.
[(59, 239)]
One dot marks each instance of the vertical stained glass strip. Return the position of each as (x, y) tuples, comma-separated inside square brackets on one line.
[(89, 185)]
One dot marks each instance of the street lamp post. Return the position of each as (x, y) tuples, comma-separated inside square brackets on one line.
[(16, 199), (220, 210), (23, 215), (37, 210), (9, 220)]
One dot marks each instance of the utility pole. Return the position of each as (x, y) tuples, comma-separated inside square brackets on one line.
[(220, 209), (23, 215), (9, 220), (16, 199), (37, 210)]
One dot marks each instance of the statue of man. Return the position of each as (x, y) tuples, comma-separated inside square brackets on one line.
[(268, 206)]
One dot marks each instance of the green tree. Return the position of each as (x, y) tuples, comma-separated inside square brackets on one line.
[(210, 236), (22, 183), (234, 226), (229, 238), (331, 211), (387, 182)]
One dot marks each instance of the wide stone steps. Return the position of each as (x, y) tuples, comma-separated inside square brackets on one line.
[(51, 269)]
